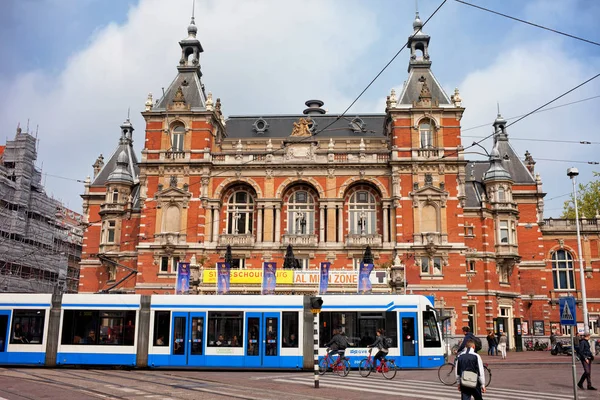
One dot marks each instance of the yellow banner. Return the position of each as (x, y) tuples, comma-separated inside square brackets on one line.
[(248, 276)]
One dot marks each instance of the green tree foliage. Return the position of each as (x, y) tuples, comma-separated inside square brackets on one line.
[(588, 200)]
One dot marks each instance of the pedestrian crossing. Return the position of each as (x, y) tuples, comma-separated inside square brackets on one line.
[(415, 389)]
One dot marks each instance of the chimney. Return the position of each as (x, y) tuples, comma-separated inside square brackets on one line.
[(314, 107)]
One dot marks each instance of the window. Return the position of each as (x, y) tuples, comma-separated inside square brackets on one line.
[(356, 263), (172, 219), (503, 273), (470, 265), (290, 328), (97, 327), (240, 210), (302, 263), (162, 322), (429, 219), (562, 270), (225, 329), (471, 315), (513, 232), (110, 232), (115, 196), (178, 133), (166, 262), (431, 265), (431, 333), (301, 214), (360, 327), (238, 263), (28, 327), (362, 208), (469, 230), (504, 232), (501, 194), (426, 135)]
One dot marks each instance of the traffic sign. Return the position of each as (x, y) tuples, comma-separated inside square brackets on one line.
[(567, 311)]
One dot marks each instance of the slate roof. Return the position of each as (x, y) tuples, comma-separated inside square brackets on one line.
[(193, 90), (412, 88), (281, 126)]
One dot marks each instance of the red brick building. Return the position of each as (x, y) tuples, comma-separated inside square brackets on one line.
[(472, 234)]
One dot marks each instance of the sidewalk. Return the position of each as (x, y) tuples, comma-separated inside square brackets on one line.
[(527, 357)]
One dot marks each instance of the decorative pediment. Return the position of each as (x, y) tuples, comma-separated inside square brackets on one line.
[(172, 195), (429, 194)]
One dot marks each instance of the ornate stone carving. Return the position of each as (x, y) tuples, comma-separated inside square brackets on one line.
[(269, 173), (179, 97), (173, 181), (301, 128), (331, 173)]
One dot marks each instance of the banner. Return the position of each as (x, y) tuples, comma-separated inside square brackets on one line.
[(364, 281), (269, 277), (252, 276), (223, 274), (183, 278), (324, 280)]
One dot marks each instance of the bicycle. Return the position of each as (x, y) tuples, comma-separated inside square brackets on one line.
[(447, 375), (387, 367), (341, 365)]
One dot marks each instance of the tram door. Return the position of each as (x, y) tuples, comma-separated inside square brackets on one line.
[(4, 316), (262, 340), (409, 340), (187, 343)]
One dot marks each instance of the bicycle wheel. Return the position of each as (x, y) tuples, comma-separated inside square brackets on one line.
[(323, 366), (342, 368), (365, 367), (488, 376), (388, 369), (446, 374)]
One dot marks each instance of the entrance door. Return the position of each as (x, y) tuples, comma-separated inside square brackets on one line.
[(187, 346), (4, 316), (518, 334), (262, 340), (409, 340), (503, 327)]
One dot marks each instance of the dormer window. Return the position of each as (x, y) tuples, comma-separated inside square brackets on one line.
[(426, 135), (177, 136)]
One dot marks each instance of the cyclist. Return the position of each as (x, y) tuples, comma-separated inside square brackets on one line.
[(337, 344), (381, 344), (468, 336)]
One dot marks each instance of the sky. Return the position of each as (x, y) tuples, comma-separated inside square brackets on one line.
[(73, 68)]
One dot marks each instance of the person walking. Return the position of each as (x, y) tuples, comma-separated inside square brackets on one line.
[(468, 336), (586, 357), (502, 345), (469, 365), (492, 344)]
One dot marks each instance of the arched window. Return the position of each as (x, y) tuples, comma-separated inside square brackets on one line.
[(429, 220), (362, 212), (240, 209), (426, 134), (171, 219), (301, 213), (562, 270), (177, 136)]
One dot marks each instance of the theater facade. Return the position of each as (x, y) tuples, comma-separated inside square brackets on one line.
[(472, 234)]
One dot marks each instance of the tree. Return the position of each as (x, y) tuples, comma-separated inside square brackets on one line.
[(228, 256), (368, 256), (289, 261), (588, 200)]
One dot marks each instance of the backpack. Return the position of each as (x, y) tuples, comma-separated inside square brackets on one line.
[(478, 345), (385, 343), (343, 342)]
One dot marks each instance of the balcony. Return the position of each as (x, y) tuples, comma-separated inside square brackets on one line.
[(300, 240), (111, 208), (429, 152), (364, 240), (430, 238), (174, 155), (236, 240), (570, 226), (170, 238), (507, 250)]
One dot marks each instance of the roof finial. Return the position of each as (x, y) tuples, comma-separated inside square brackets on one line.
[(192, 30), (193, 8), (128, 110), (498, 106)]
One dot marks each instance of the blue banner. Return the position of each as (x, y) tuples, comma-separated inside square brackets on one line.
[(223, 277), (324, 277), (364, 278), (183, 278), (269, 277)]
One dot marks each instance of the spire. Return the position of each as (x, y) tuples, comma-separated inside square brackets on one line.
[(418, 43), (190, 48), (126, 131), (496, 170)]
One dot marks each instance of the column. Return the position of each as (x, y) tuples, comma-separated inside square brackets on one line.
[(386, 216), (277, 237), (340, 212), (259, 225), (215, 235), (321, 224)]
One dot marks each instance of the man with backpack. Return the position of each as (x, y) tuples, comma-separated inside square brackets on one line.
[(381, 344), (469, 336), (337, 344), (470, 373)]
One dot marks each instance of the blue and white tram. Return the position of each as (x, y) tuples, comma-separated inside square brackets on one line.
[(234, 331), (23, 328), (98, 329), (409, 321)]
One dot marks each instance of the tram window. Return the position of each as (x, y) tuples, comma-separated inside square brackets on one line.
[(225, 329), (431, 334), (360, 328), (27, 327), (162, 320), (290, 329), (98, 327)]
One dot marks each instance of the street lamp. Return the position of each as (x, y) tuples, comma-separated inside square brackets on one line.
[(572, 173)]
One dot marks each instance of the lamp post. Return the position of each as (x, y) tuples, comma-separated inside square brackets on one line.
[(572, 173)]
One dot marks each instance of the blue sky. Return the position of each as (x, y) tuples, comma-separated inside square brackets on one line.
[(75, 66)]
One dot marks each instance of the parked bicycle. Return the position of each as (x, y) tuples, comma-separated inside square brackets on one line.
[(387, 367), (340, 365), (447, 375), (530, 345)]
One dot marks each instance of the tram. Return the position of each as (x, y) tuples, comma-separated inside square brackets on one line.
[(207, 331)]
